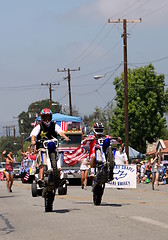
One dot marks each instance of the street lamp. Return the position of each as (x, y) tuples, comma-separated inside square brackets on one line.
[(99, 76)]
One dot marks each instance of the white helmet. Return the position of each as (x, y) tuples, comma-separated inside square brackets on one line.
[(98, 128)]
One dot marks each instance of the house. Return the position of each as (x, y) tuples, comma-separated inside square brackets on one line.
[(163, 146), (160, 145)]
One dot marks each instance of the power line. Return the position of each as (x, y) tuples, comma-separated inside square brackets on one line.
[(137, 8), (89, 44), (89, 93), (130, 6), (110, 76), (108, 104), (152, 61), (157, 10), (93, 50), (103, 55), (100, 70)]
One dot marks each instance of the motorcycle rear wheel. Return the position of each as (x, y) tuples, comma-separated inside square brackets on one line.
[(34, 189), (110, 159)]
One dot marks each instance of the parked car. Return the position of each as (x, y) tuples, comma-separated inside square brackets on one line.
[(16, 169), (2, 172)]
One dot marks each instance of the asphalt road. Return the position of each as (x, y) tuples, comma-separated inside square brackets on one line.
[(124, 214)]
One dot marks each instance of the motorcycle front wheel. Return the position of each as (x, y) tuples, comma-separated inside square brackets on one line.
[(48, 200), (97, 194), (55, 171)]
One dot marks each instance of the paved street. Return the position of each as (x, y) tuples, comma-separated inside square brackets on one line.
[(124, 214)]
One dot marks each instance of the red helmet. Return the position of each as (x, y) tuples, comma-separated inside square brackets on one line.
[(46, 116), (98, 128)]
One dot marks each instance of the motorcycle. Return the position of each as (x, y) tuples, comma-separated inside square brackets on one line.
[(104, 167), (51, 173)]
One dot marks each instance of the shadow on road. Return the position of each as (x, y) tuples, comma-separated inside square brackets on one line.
[(113, 204), (61, 211), (6, 196), (104, 204)]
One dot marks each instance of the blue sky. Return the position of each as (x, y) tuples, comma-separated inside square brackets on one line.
[(40, 36)]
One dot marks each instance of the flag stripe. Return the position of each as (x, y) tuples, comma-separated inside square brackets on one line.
[(78, 154), (26, 178)]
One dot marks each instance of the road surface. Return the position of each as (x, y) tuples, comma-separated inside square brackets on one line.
[(134, 214)]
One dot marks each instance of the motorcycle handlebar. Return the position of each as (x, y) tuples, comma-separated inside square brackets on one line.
[(45, 142)]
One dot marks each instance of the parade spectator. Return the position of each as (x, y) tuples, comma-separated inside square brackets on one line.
[(138, 172), (155, 163), (8, 169), (148, 170), (165, 178), (120, 156), (142, 172), (84, 173)]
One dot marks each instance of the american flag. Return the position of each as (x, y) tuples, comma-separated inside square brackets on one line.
[(26, 177), (62, 125), (77, 155)]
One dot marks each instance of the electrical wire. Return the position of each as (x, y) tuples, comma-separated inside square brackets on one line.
[(89, 93), (93, 50), (157, 10), (136, 8), (92, 73), (105, 54), (63, 97), (153, 61), (108, 104), (130, 6), (75, 60), (110, 76)]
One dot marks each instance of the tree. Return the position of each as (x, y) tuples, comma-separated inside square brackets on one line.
[(147, 103), (98, 116), (26, 119), (11, 144)]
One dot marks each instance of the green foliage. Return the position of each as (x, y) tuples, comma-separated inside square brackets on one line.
[(10, 144), (147, 102)]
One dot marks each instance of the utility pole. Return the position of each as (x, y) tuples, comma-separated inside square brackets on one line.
[(124, 35), (50, 89), (69, 85), (7, 130), (14, 131)]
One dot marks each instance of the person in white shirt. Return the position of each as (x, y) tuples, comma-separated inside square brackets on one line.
[(47, 129), (120, 156)]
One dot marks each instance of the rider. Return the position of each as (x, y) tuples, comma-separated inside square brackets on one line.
[(98, 132), (46, 130)]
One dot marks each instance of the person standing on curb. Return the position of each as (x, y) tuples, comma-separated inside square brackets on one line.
[(8, 169)]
